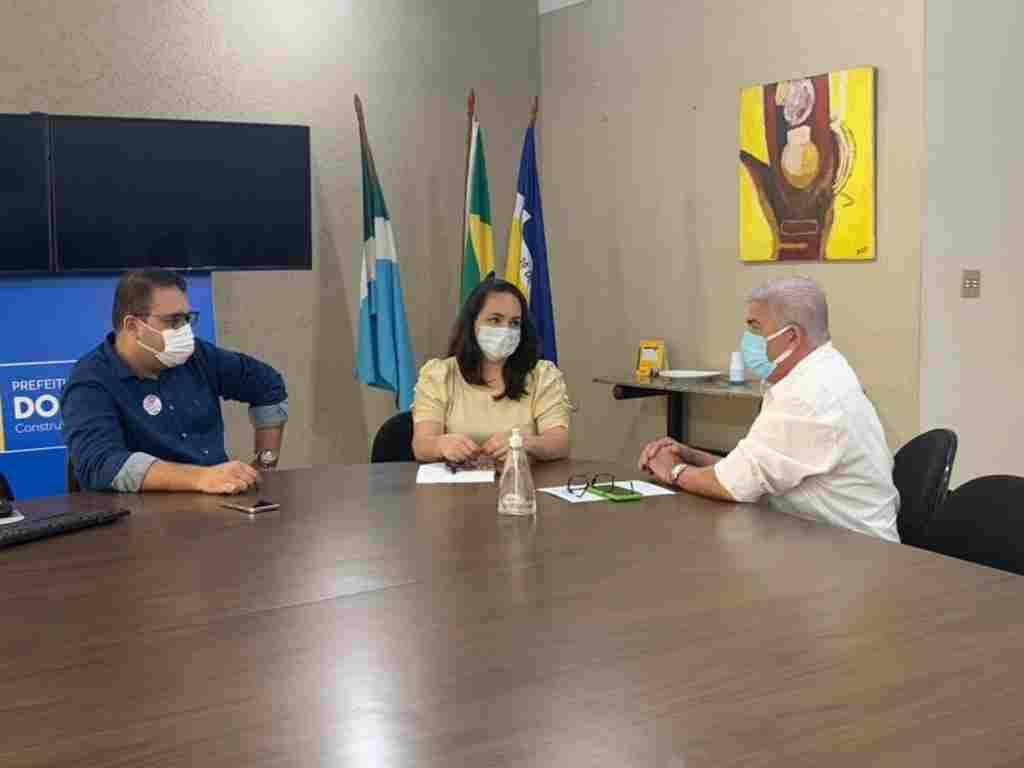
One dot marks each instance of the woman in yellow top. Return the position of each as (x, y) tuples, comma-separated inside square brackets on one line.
[(467, 404)]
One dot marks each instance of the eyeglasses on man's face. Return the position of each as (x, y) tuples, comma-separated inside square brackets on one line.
[(178, 320)]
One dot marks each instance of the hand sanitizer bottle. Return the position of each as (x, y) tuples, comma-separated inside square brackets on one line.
[(515, 493), (736, 368)]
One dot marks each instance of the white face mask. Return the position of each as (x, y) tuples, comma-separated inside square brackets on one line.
[(179, 344), (497, 343)]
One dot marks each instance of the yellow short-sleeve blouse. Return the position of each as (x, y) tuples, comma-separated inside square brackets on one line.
[(443, 396)]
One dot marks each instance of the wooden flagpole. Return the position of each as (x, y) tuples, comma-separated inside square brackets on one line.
[(470, 114), (363, 137), (533, 122)]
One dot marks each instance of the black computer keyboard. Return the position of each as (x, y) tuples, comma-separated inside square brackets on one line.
[(28, 529)]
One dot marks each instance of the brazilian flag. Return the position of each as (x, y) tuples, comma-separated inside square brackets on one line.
[(478, 243)]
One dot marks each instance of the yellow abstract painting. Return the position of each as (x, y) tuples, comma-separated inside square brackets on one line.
[(807, 168)]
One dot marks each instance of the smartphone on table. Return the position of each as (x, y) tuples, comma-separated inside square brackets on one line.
[(614, 492), (252, 508)]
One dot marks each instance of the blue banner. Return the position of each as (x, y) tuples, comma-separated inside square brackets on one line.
[(51, 321)]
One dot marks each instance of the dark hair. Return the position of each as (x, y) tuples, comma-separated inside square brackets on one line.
[(464, 347), (134, 294)]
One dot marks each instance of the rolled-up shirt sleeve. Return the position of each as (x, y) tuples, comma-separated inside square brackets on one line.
[(129, 478), (785, 445), (95, 440), (265, 416)]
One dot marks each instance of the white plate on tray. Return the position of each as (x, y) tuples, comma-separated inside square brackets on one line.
[(691, 375)]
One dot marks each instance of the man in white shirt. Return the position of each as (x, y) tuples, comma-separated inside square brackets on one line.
[(817, 449)]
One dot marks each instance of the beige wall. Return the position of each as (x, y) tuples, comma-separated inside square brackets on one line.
[(972, 358), (300, 62), (639, 165)]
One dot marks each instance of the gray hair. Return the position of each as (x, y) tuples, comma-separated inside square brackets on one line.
[(797, 301)]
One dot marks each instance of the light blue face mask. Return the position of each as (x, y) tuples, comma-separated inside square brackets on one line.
[(755, 353)]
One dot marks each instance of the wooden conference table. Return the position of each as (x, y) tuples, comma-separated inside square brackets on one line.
[(374, 622)]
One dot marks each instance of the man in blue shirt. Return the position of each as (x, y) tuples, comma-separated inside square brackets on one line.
[(142, 411)]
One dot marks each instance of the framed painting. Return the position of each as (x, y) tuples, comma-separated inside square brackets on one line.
[(807, 168)]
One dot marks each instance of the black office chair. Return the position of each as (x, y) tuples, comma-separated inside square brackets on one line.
[(983, 521), (70, 478), (6, 492), (921, 475), (394, 440)]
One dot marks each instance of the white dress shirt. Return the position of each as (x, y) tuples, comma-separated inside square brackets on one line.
[(818, 449)]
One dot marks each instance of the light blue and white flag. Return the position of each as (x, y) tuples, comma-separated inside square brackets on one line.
[(385, 358)]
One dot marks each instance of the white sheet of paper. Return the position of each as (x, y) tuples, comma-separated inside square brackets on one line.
[(640, 486), (438, 473)]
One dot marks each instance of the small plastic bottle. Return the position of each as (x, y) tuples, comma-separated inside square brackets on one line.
[(516, 493), (736, 372)]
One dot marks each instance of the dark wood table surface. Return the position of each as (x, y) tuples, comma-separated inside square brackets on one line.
[(375, 622)]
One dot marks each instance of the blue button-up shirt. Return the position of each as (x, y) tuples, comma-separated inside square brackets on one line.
[(115, 423)]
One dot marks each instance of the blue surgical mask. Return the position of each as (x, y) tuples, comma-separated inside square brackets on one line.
[(755, 353)]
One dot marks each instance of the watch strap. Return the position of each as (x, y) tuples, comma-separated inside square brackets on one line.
[(677, 470)]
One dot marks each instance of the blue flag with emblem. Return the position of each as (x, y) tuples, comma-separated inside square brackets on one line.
[(527, 262), (384, 357)]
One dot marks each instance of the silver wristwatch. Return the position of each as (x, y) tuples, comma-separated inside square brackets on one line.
[(677, 470), (266, 459)]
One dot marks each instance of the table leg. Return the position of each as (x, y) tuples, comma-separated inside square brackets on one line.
[(677, 417), (677, 408)]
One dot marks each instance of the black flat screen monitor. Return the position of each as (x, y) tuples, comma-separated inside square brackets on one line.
[(131, 193), (24, 195)]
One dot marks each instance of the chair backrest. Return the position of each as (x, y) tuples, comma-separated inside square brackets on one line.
[(921, 475), (983, 521), (394, 440), (6, 492), (70, 478)]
